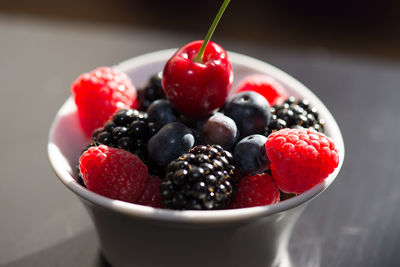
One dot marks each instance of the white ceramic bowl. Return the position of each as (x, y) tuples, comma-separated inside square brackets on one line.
[(134, 235)]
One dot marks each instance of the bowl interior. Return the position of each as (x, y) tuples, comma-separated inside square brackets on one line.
[(66, 142)]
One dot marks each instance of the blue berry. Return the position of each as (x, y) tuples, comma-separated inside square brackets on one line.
[(153, 128), (161, 112), (193, 123), (221, 130), (169, 143), (250, 156), (250, 111)]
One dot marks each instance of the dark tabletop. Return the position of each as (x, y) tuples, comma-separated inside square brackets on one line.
[(354, 223)]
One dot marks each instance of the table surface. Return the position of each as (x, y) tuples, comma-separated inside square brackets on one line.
[(353, 223)]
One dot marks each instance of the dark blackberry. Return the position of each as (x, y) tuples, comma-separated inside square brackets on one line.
[(199, 180), (79, 179), (294, 113), (283, 196), (151, 91), (128, 129)]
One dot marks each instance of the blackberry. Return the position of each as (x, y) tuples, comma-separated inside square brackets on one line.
[(283, 196), (129, 130), (151, 91), (199, 180), (294, 114)]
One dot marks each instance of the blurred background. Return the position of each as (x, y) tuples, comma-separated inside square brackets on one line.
[(356, 27), (346, 51)]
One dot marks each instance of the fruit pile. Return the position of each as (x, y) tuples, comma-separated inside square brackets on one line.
[(180, 142), (245, 154)]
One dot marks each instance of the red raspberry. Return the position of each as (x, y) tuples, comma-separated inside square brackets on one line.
[(151, 193), (266, 86), (99, 94), (254, 191), (300, 158), (114, 173)]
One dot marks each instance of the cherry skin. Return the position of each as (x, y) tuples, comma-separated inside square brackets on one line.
[(197, 89)]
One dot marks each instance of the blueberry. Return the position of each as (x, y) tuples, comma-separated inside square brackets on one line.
[(250, 156), (161, 112), (250, 111), (221, 130), (193, 123), (153, 128), (169, 143)]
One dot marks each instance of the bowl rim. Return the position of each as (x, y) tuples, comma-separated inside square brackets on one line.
[(190, 216)]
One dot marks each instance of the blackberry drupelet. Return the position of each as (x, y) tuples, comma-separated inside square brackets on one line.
[(199, 180), (294, 113), (151, 91), (283, 196), (129, 130)]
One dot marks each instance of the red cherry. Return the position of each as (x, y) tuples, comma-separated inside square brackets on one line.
[(196, 89), (198, 77)]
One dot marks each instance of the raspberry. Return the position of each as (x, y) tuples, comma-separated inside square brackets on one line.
[(255, 191), (79, 178), (113, 173), (99, 94), (266, 86), (300, 158), (151, 193)]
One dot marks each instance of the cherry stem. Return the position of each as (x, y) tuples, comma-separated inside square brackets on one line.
[(199, 56)]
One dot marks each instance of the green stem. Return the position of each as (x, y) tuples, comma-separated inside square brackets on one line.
[(199, 56)]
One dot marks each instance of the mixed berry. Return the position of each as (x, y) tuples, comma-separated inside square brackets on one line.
[(245, 154), (181, 143)]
